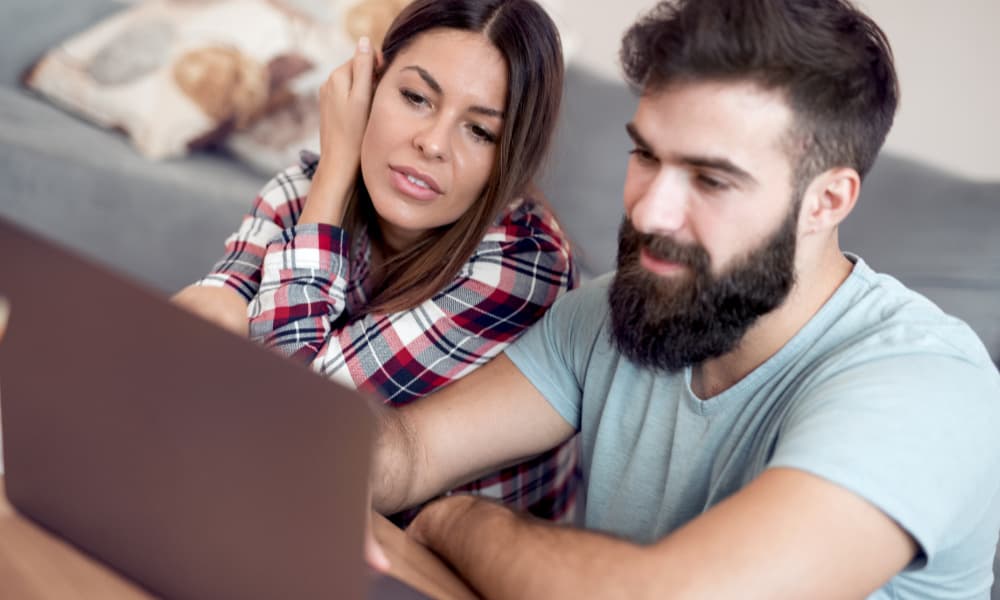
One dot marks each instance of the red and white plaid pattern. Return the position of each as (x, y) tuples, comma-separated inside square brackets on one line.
[(304, 283)]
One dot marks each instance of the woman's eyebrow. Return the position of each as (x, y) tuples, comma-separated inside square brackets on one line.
[(436, 87), (427, 77)]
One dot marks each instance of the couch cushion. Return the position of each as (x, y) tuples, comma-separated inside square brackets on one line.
[(162, 223)]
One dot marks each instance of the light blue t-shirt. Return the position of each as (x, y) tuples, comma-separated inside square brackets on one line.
[(880, 392)]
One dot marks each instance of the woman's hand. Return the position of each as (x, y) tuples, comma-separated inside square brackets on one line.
[(345, 101), (220, 305)]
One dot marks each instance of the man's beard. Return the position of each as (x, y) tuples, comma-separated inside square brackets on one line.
[(672, 323)]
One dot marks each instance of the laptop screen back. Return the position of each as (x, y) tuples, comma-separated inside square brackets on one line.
[(193, 461)]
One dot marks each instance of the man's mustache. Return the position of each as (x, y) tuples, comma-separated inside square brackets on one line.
[(664, 248)]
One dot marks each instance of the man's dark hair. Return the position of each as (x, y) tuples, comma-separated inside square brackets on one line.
[(832, 63)]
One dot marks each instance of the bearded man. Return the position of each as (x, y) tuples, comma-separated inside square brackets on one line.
[(762, 415)]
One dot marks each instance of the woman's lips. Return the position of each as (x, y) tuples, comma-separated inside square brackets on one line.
[(414, 184)]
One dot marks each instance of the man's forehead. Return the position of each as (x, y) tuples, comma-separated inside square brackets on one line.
[(738, 112)]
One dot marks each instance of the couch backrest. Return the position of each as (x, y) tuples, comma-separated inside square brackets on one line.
[(937, 233), (31, 27)]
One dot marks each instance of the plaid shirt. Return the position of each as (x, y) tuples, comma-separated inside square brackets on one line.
[(314, 278)]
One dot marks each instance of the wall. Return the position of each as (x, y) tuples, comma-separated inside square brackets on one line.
[(947, 56)]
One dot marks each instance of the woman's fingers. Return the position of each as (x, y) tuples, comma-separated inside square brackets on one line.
[(338, 85), (362, 72), (354, 79)]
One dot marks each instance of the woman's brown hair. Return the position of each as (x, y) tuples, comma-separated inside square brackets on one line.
[(529, 41)]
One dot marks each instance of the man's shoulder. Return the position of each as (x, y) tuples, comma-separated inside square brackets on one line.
[(588, 304), (879, 317), (577, 321)]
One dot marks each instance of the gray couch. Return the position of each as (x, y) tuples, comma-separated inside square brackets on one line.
[(164, 223)]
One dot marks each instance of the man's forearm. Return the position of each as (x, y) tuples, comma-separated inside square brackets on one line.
[(397, 461), (504, 555), (488, 419)]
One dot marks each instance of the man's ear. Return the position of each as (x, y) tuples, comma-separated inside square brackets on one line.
[(829, 199)]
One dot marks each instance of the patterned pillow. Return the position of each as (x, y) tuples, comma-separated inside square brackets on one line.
[(181, 74), (274, 142)]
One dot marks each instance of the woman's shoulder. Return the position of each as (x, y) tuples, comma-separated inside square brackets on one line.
[(528, 217), (527, 233)]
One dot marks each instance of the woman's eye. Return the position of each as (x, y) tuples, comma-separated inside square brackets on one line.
[(482, 134), (413, 98)]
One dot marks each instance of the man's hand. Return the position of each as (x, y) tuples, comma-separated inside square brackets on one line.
[(345, 101), (220, 305), (4, 315), (374, 553), (433, 522)]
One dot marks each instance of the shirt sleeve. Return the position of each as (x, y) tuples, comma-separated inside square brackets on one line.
[(913, 435), (555, 355), (275, 209), (522, 265)]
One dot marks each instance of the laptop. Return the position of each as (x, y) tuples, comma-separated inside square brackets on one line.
[(194, 462)]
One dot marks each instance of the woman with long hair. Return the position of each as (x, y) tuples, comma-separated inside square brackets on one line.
[(413, 249)]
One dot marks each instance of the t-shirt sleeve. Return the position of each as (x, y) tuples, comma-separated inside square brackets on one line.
[(913, 435), (554, 353)]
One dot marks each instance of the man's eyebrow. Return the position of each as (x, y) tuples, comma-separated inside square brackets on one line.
[(633, 133), (705, 162), (720, 164), (436, 87)]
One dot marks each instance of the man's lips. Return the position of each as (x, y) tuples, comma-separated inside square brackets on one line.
[(657, 265)]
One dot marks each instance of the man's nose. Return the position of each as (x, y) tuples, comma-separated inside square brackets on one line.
[(662, 208)]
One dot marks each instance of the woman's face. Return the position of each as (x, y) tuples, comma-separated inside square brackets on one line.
[(432, 135)]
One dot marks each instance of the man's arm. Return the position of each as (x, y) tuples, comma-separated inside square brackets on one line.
[(788, 534), (491, 418)]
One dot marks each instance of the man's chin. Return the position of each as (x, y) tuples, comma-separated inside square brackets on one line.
[(661, 322)]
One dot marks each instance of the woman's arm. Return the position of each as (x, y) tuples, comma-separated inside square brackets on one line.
[(222, 296), (518, 271), (220, 305)]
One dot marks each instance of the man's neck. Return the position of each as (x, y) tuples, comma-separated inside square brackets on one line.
[(772, 331)]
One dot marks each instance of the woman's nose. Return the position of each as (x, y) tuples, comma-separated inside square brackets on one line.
[(432, 140)]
